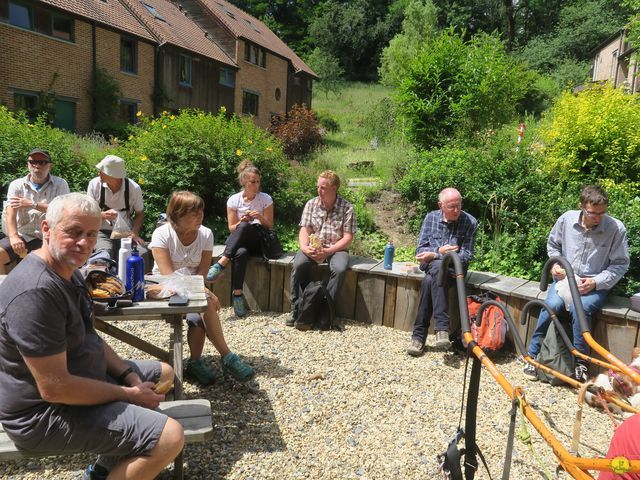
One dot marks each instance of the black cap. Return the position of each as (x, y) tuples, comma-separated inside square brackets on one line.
[(40, 152)]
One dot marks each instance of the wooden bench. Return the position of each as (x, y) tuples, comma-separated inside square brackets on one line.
[(373, 295), (193, 415)]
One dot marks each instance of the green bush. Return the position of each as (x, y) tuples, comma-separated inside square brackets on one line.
[(593, 135), (328, 122), (18, 137)]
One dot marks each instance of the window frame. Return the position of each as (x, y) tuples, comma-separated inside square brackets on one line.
[(188, 59), (39, 20), (255, 54), (248, 95), (132, 106), (133, 43), (227, 77)]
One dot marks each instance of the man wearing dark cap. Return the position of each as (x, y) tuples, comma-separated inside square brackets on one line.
[(27, 202)]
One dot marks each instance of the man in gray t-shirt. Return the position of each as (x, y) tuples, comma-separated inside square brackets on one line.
[(63, 389)]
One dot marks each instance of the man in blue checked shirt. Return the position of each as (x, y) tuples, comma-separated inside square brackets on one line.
[(596, 246), (448, 229)]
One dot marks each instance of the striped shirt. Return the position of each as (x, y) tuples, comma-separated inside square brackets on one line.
[(329, 225), (436, 232)]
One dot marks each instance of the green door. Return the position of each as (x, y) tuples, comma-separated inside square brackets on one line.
[(65, 117)]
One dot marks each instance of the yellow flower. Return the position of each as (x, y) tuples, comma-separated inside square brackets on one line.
[(269, 149), (29, 125), (130, 137), (223, 109), (144, 158), (201, 114), (153, 122), (141, 181), (164, 126), (165, 113), (239, 152), (250, 142), (139, 113), (172, 117)]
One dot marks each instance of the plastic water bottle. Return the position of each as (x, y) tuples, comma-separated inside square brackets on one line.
[(135, 275), (389, 251), (123, 255)]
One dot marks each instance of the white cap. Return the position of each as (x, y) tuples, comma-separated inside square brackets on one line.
[(113, 166), (125, 243)]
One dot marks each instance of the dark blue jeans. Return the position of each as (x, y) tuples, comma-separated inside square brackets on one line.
[(243, 242), (591, 302), (434, 302)]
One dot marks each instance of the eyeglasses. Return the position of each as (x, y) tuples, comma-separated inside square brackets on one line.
[(451, 208), (591, 213), (38, 162)]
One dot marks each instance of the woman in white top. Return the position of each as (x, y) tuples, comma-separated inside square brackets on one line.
[(183, 242), (247, 211)]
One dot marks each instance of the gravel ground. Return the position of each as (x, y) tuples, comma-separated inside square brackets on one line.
[(352, 404)]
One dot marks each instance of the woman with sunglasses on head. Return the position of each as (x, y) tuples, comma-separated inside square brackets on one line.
[(27, 201), (183, 242), (247, 211)]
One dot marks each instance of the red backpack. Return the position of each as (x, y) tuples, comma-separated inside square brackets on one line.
[(492, 331)]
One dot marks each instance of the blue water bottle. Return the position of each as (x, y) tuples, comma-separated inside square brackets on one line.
[(389, 251), (135, 275)]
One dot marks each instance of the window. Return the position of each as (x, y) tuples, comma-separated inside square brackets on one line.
[(227, 77), (250, 103), (128, 110), (185, 71), (28, 103), (153, 12), (278, 94), (255, 54), (128, 55), (37, 19)]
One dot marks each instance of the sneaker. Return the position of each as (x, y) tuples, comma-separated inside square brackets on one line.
[(291, 319), (214, 272), (580, 372), (442, 339), (235, 367), (238, 306), (530, 371), (198, 370), (95, 473), (416, 348)]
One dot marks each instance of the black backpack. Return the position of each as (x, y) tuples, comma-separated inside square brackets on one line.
[(314, 308)]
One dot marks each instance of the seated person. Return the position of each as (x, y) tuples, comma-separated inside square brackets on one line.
[(183, 242), (448, 229), (247, 212), (595, 245), (64, 390), (117, 196), (27, 201), (329, 220), (625, 443)]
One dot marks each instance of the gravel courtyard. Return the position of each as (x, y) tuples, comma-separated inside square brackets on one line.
[(352, 404)]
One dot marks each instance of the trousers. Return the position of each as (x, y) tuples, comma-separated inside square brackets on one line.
[(301, 270), (434, 302), (243, 242)]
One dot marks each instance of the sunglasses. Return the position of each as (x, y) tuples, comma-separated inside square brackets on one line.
[(38, 162)]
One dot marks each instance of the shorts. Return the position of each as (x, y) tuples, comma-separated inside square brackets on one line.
[(5, 244), (117, 429), (194, 320)]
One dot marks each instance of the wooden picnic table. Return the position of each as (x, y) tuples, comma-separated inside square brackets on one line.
[(154, 310)]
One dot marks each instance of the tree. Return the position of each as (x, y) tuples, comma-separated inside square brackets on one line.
[(457, 86), (328, 69), (418, 28)]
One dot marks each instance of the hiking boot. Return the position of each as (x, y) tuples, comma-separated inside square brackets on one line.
[(214, 272), (416, 348), (239, 307), (530, 371), (580, 372), (235, 367), (95, 472), (198, 370), (442, 339)]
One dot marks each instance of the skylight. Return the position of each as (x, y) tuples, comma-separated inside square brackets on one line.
[(153, 11)]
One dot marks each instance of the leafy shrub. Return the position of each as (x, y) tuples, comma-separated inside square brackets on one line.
[(380, 121), (298, 131), (326, 121), (200, 152), (593, 135), (458, 86), (18, 138)]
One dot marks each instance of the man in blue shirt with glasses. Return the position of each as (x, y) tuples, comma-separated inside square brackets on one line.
[(595, 245)]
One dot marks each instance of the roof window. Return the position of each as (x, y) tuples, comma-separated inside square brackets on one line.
[(153, 11)]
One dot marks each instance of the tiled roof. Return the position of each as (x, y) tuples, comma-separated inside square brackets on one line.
[(107, 12), (171, 26), (250, 28)]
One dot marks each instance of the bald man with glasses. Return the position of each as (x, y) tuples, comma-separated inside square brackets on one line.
[(596, 246), (448, 229), (27, 201)]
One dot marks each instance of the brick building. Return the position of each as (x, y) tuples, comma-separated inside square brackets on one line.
[(614, 61), (161, 55)]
